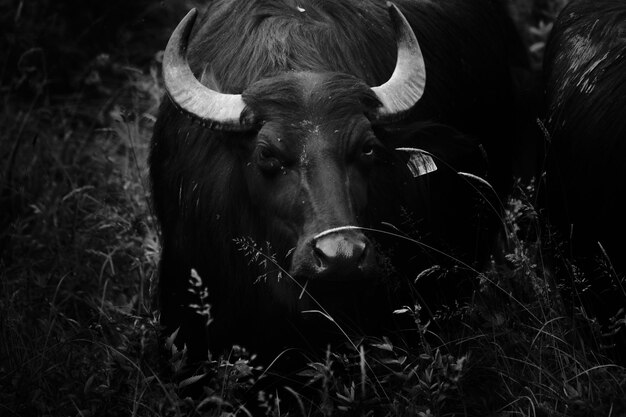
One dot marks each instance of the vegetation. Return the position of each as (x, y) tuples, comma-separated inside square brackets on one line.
[(80, 87)]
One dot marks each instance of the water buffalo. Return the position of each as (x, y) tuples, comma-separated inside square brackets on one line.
[(293, 128), (585, 88)]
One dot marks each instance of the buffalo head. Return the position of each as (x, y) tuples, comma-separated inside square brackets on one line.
[(307, 144)]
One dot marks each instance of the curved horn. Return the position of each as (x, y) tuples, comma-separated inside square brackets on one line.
[(406, 85), (219, 111)]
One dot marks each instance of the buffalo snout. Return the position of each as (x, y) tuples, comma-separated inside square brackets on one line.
[(342, 256)]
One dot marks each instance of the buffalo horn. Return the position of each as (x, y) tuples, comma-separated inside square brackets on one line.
[(406, 85), (218, 110)]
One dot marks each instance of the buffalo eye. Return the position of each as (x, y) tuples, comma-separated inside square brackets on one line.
[(368, 150), (370, 153), (267, 160)]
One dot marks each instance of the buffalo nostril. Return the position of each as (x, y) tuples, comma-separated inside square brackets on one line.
[(364, 252), (320, 257)]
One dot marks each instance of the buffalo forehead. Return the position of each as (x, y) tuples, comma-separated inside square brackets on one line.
[(308, 139), (306, 113), (317, 97)]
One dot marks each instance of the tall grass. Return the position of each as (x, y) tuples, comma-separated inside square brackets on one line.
[(79, 250)]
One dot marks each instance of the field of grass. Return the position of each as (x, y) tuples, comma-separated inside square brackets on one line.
[(79, 91)]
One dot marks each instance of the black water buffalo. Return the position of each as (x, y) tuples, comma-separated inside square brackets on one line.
[(585, 86), (290, 126)]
